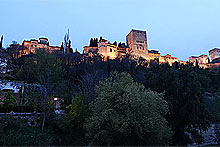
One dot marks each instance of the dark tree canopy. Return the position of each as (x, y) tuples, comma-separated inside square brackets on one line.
[(93, 42)]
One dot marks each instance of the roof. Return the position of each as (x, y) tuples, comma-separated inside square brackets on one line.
[(33, 40), (135, 30), (203, 55), (43, 38), (193, 57), (153, 51), (213, 49)]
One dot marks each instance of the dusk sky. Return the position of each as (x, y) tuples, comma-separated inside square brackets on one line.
[(181, 28)]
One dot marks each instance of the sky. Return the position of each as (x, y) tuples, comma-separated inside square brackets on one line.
[(181, 28)]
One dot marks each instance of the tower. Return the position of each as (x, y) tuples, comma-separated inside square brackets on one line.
[(137, 42)]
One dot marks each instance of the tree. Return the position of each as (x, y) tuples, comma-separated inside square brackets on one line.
[(43, 68), (115, 43), (78, 108), (37, 98), (1, 42), (125, 113), (67, 43), (216, 108), (119, 45), (197, 64), (184, 89), (93, 42)]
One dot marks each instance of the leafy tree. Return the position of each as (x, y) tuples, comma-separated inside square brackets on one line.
[(184, 87), (78, 108), (125, 113), (45, 69)]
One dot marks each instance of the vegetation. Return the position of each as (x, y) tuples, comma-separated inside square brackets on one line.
[(114, 102), (9, 101), (125, 113), (16, 132)]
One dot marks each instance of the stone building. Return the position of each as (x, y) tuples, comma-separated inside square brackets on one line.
[(167, 59), (136, 47), (202, 60), (34, 44), (137, 42), (153, 54), (16, 50), (106, 50), (214, 53)]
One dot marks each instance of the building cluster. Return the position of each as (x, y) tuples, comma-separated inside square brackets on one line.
[(136, 46), (31, 46), (204, 61)]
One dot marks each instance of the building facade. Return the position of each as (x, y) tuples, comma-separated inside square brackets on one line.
[(42, 43), (153, 54), (16, 50), (167, 59), (214, 53), (106, 50), (201, 60)]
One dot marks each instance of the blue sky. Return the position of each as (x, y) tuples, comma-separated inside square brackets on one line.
[(178, 27)]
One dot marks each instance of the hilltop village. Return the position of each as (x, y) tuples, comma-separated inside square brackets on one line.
[(112, 94), (136, 46)]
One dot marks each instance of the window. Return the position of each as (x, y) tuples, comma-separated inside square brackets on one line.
[(110, 49)]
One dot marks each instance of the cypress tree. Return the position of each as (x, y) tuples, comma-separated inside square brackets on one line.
[(1, 42)]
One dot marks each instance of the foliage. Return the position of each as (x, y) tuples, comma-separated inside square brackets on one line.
[(184, 87), (1, 42), (43, 68), (78, 109), (16, 132), (66, 132), (10, 100), (125, 113), (216, 108), (69, 129), (93, 42)]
